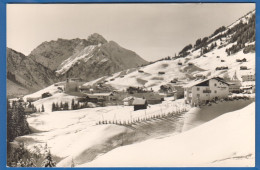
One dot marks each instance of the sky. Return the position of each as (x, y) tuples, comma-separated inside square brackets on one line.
[(153, 31)]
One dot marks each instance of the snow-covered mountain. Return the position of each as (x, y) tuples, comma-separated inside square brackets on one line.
[(88, 59), (85, 58), (215, 55), (24, 75)]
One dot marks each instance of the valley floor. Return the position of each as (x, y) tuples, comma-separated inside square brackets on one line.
[(75, 135)]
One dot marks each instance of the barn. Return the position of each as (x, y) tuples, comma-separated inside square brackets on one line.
[(139, 104)]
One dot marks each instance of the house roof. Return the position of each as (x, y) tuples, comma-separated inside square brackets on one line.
[(139, 101), (99, 94), (128, 99), (194, 83)]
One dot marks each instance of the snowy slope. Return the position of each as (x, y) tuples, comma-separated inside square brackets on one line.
[(85, 54), (205, 64), (228, 140)]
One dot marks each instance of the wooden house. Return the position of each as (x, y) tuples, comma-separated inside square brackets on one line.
[(161, 72), (128, 101), (243, 67), (139, 104), (29, 110)]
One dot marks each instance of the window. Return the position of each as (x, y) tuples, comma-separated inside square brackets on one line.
[(198, 89), (215, 91), (215, 84), (198, 95)]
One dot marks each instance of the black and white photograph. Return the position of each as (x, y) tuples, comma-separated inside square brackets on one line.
[(130, 85)]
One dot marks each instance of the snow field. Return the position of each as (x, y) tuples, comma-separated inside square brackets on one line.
[(220, 142)]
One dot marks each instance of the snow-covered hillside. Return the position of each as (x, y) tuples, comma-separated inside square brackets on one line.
[(186, 68), (228, 140), (85, 54)]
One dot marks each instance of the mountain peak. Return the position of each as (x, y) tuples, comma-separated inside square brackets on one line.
[(96, 39)]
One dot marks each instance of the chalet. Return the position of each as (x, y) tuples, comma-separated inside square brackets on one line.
[(190, 64), (32, 99), (161, 72), (72, 84), (241, 60), (222, 60), (92, 98), (248, 77), (29, 110), (112, 79), (174, 80), (218, 57), (139, 104), (179, 63), (243, 67), (140, 71), (179, 92), (172, 90), (47, 94), (84, 89), (151, 97), (128, 101), (221, 68), (95, 97), (200, 76), (202, 91)]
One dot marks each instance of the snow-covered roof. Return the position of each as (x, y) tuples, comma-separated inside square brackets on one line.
[(128, 98), (139, 101), (194, 83), (100, 94)]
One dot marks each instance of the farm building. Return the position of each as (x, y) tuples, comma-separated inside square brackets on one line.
[(29, 110), (205, 90), (248, 77), (139, 104), (175, 80), (161, 72), (84, 89), (241, 60), (151, 97), (72, 84), (179, 92), (128, 101), (222, 68), (200, 76), (243, 67), (95, 97), (172, 90)]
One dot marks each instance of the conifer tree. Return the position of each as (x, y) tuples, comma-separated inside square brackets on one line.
[(43, 108)]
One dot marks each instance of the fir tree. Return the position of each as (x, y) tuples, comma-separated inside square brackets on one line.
[(72, 104), (53, 107), (43, 108)]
